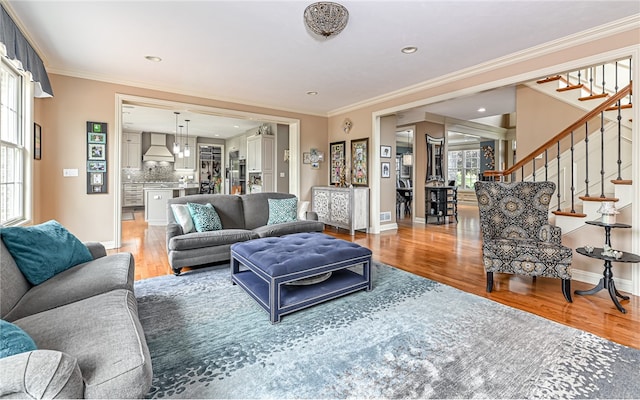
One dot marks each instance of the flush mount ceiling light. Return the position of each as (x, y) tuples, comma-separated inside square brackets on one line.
[(482, 109), (326, 18), (153, 58), (312, 93), (409, 49)]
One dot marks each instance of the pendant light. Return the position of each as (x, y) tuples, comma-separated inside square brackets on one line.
[(187, 150), (180, 152), (176, 145)]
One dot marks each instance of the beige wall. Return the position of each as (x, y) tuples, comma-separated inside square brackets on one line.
[(387, 185), (63, 119)]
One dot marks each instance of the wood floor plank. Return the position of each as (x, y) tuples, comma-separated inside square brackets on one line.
[(449, 253)]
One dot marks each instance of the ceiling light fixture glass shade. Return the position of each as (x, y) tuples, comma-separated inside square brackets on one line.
[(326, 18), (187, 150), (176, 145), (407, 159), (180, 152)]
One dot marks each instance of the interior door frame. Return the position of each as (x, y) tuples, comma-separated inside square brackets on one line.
[(120, 99)]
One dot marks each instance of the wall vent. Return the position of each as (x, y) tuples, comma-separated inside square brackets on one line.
[(385, 216)]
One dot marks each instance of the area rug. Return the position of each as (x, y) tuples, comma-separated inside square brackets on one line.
[(408, 338)]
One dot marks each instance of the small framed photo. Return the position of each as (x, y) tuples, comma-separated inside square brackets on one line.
[(385, 151), (386, 170), (96, 179), (306, 158), (37, 142), (96, 166), (96, 151), (96, 137)]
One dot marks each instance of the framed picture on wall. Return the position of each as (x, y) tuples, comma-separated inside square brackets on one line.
[(96, 151), (360, 162), (37, 141), (338, 162), (306, 158), (385, 151), (386, 170)]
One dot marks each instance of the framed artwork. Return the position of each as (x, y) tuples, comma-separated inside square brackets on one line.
[(360, 162), (96, 179), (338, 163), (96, 137), (96, 151), (386, 169), (96, 166), (306, 158), (37, 142), (97, 174), (385, 151)]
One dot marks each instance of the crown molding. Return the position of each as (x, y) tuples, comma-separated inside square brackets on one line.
[(590, 35)]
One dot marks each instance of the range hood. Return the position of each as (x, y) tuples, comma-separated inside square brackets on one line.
[(158, 150)]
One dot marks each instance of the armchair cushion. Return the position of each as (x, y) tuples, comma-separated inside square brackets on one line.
[(550, 233), (527, 257)]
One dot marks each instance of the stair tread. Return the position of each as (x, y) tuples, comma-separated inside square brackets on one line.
[(622, 107), (571, 87), (598, 198), (622, 181), (594, 97), (549, 79), (570, 214)]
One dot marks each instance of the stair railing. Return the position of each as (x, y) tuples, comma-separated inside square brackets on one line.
[(556, 144)]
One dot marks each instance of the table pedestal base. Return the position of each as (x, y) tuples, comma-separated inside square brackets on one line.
[(606, 282)]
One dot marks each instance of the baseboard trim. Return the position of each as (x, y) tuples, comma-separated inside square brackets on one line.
[(624, 285), (389, 227)]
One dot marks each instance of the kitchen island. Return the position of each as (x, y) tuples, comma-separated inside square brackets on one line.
[(155, 199)]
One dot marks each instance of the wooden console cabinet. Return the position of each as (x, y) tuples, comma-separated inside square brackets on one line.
[(346, 208)]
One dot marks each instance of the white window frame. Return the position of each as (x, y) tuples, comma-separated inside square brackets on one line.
[(20, 144), (462, 184)]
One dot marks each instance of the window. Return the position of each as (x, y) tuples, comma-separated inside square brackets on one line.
[(464, 165), (12, 146)]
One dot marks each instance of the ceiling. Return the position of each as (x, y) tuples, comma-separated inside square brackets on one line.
[(259, 52)]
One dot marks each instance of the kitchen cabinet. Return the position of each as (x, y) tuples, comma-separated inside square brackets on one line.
[(131, 150), (155, 210), (132, 195), (261, 163), (346, 208), (188, 163)]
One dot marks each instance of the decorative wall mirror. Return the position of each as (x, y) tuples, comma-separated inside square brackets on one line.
[(435, 149)]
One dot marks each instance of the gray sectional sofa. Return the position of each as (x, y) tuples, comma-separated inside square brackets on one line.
[(244, 217), (84, 322)]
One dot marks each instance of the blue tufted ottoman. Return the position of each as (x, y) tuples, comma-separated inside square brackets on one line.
[(274, 264)]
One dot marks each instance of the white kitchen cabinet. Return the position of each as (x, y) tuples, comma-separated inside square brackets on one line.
[(131, 150), (188, 163), (261, 162), (155, 207)]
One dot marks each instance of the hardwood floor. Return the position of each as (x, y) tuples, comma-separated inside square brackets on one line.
[(450, 254)]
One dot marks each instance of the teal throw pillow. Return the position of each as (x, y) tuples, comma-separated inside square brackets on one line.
[(205, 217), (14, 340), (42, 251), (282, 210)]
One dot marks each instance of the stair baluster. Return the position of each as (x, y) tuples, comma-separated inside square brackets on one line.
[(603, 81), (546, 164), (602, 154), (573, 187), (619, 118), (534, 170), (558, 176), (591, 70), (586, 158)]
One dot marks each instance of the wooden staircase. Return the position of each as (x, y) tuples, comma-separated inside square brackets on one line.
[(596, 146)]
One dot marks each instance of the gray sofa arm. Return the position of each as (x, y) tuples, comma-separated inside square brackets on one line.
[(41, 374), (96, 249), (550, 233), (173, 230)]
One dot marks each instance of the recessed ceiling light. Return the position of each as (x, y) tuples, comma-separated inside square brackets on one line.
[(312, 93), (237, 126), (482, 109), (153, 58), (217, 135), (409, 49)]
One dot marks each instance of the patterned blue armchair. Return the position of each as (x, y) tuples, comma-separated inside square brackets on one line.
[(516, 235)]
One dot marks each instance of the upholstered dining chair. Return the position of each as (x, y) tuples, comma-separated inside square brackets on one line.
[(516, 235)]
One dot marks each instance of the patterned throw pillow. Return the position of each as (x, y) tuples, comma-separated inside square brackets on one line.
[(205, 217), (282, 210)]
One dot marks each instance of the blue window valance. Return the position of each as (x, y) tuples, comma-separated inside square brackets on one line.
[(18, 48)]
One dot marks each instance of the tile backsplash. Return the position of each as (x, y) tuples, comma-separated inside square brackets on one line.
[(153, 171)]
